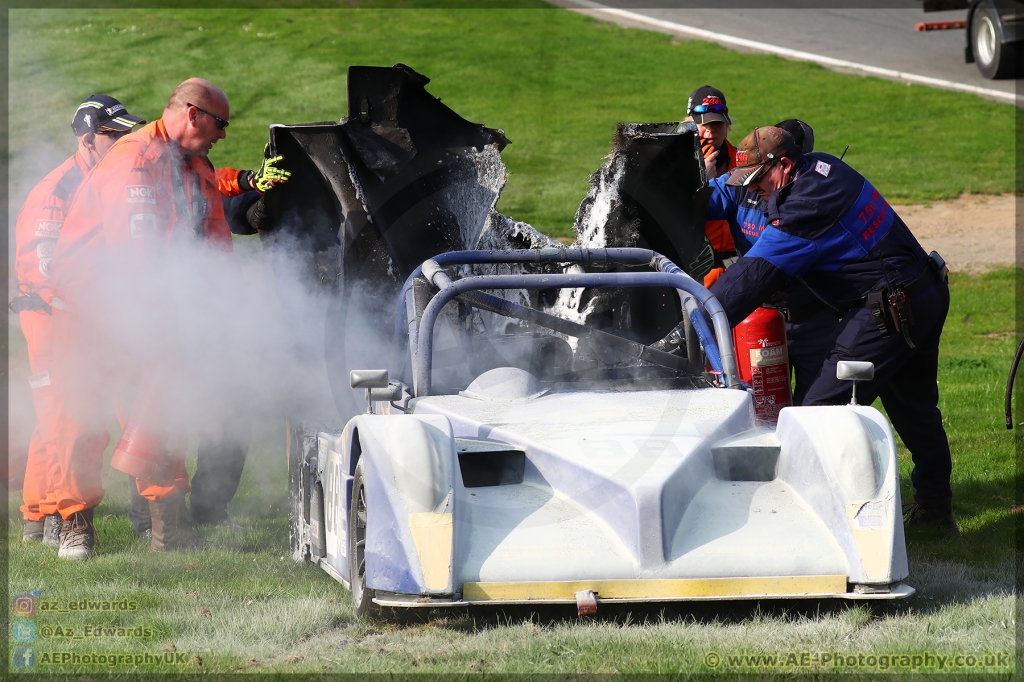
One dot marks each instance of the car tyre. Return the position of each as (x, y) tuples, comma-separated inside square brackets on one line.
[(362, 596), (318, 542), (994, 58)]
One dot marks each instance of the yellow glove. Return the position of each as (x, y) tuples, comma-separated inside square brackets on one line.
[(269, 174)]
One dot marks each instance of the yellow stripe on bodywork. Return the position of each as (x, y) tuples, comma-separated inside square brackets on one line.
[(432, 535), (657, 589)]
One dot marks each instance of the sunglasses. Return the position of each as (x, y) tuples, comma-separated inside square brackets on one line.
[(705, 108), (222, 123)]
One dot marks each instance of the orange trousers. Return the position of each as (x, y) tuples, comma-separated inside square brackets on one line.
[(91, 380), (41, 472)]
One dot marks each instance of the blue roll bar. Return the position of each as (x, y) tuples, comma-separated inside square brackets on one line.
[(670, 275)]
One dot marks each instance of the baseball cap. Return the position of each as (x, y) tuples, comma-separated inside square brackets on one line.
[(102, 113), (758, 150), (802, 133), (707, 104)]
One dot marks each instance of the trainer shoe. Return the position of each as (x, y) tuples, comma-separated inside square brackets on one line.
[(32, 531), (52, 526), (78, 536), (930, 517)]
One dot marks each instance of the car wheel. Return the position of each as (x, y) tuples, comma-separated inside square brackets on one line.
[(362, 596), (994, 58), (317, 531)]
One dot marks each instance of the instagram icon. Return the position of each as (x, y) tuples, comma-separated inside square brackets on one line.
[(25, 605)]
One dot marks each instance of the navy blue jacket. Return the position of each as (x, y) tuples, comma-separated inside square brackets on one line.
[(744, 210), (746, 213), (833, 229), (235, 209)]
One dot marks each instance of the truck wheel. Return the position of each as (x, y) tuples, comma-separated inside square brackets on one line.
[(994, 58), (362, 596)]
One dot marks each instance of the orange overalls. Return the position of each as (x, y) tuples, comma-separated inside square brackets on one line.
[(123, 216), (35, 235), (718, 233)]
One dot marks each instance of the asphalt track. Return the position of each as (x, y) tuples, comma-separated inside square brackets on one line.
[(879, 41)]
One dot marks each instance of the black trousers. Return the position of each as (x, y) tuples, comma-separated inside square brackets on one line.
[(808, 343), (219, 464), (905, 380)]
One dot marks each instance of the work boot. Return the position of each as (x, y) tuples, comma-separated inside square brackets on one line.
[(52, 525), (77, 536), (931, 517), (172, 527), (32, 531)]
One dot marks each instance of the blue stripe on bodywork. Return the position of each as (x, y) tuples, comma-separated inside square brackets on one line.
[(387, 566)]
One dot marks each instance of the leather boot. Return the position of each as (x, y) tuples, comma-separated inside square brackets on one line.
[(32, 531), (52, 526), (77, 536), (172, 527)]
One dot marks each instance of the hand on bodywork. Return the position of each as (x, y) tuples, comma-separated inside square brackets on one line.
[(269, 174)]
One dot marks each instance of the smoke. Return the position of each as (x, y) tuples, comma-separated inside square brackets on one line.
[(214, 339)]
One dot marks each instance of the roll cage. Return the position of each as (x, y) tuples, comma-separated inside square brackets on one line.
[(416, 316)]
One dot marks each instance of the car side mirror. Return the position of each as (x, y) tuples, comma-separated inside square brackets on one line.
[(849, 370), (368, 378), (378, 388)]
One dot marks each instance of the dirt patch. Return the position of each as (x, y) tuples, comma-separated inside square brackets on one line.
[(974, 232)]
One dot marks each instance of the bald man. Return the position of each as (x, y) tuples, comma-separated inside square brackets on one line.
[(153, 185)]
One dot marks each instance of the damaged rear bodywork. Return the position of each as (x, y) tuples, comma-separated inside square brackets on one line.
[(403, 178)]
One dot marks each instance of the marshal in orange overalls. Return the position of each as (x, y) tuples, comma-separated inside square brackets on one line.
[(35, 235), (143, 190), (717, 231)]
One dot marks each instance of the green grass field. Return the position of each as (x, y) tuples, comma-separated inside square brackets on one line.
[(249, 607), (557, 83)]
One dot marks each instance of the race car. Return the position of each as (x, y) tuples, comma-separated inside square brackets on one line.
[(579, 466), (542, 423)]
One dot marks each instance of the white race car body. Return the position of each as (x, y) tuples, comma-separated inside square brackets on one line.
[(505, 493)]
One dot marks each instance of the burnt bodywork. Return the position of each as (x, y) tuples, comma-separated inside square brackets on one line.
[(403, 178)]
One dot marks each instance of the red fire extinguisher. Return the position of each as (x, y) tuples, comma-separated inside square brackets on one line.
[(146, 448), (763, 361)]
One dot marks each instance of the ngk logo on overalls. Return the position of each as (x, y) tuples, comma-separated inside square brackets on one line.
[(48, 228), (141, 194)]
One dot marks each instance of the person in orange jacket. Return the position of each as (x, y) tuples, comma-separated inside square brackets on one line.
[(708, 109), (152, 185), (98, 123)]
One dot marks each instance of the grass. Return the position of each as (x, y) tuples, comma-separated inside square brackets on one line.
[(248, 607), (555, 81)]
